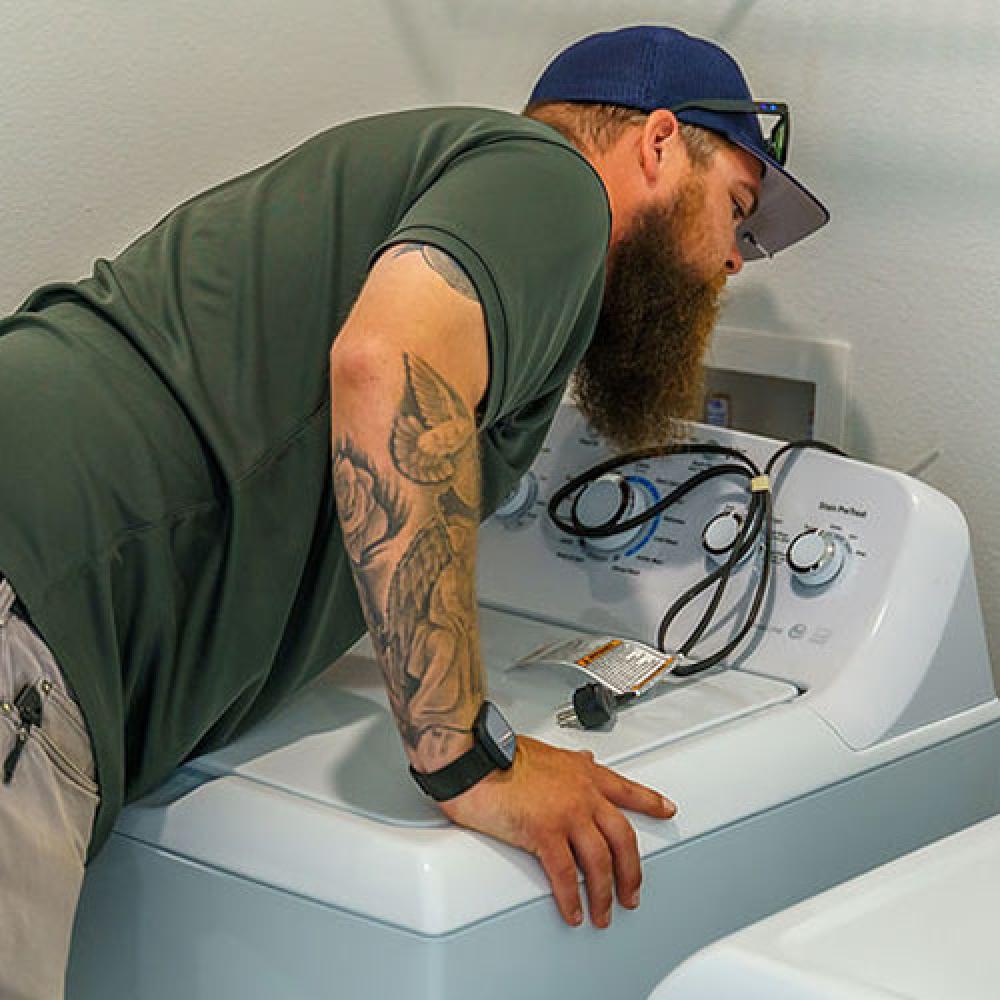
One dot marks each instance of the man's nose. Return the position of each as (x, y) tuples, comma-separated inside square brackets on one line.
[(734, 260)]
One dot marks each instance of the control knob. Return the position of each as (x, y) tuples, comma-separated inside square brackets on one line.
[(608, 500), (720, 536), (520, 499), (815, 557)]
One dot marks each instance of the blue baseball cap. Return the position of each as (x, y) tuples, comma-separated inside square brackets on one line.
[(647, 68)]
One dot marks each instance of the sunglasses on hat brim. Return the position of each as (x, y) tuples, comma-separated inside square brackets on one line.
[(776, 144)]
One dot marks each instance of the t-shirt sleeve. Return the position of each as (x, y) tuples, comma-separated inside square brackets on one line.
[(528, 221)]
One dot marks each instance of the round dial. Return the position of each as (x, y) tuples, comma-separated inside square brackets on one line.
[(520, 499), (816, 557), (720, 536), (607, 500)]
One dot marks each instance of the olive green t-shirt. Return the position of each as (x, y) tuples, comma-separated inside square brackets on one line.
[(166, 505)]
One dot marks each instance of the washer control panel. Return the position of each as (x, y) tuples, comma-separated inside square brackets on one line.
[(839, 530)]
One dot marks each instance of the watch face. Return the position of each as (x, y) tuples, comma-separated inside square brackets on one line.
[(496, 735)]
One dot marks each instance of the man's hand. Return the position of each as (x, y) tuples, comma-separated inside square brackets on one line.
[(565, 809)]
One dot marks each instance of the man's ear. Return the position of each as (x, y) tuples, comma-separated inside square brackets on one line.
[(659, 144)]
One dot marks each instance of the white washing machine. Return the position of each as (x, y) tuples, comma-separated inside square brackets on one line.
[(303, 862), (923, 927)]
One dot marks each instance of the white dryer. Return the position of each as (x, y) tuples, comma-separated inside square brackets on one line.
[(923, 927), (303, 862)]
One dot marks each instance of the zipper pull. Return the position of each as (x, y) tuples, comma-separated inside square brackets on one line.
[(29, 707), (14, 756)]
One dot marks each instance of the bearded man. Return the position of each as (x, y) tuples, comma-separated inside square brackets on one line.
[(277, 418)]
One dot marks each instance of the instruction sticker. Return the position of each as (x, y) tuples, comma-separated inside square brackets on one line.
[(623, 665)]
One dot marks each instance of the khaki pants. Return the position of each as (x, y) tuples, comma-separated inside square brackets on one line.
[(46, 811)]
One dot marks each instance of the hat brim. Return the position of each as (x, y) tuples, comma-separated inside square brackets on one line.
[(786, 212)]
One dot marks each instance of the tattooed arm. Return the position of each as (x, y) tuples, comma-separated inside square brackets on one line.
[(407, 372), (406, 480), (410, 529)]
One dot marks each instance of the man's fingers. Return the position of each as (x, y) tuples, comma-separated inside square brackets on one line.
[(594, 857), (624, 844), (631, 795), (566, 809), (560, 869)]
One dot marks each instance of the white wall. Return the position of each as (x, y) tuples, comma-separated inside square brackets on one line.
[(113, 112)]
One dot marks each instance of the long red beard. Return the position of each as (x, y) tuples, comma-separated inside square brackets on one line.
[(644, 369)]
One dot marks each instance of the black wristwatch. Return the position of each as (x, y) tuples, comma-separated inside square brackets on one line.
[(494, 748)]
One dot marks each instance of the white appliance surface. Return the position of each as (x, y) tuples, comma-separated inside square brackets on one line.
[(804, 761), (923, 927), (384, 849), (336, 743)]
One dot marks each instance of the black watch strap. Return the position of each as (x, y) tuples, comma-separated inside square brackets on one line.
[(494, 747), (459, 776)]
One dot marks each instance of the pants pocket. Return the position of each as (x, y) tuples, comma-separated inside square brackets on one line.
[(26, 662)]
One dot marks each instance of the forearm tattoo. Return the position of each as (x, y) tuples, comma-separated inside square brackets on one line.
[(444, 264), (413, 558)]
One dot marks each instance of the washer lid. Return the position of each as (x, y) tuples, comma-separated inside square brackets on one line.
[(336, 743)]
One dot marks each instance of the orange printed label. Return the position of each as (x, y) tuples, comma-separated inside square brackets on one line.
[(594, 654)]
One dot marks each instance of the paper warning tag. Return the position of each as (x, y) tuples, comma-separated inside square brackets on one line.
[(623, 665)]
